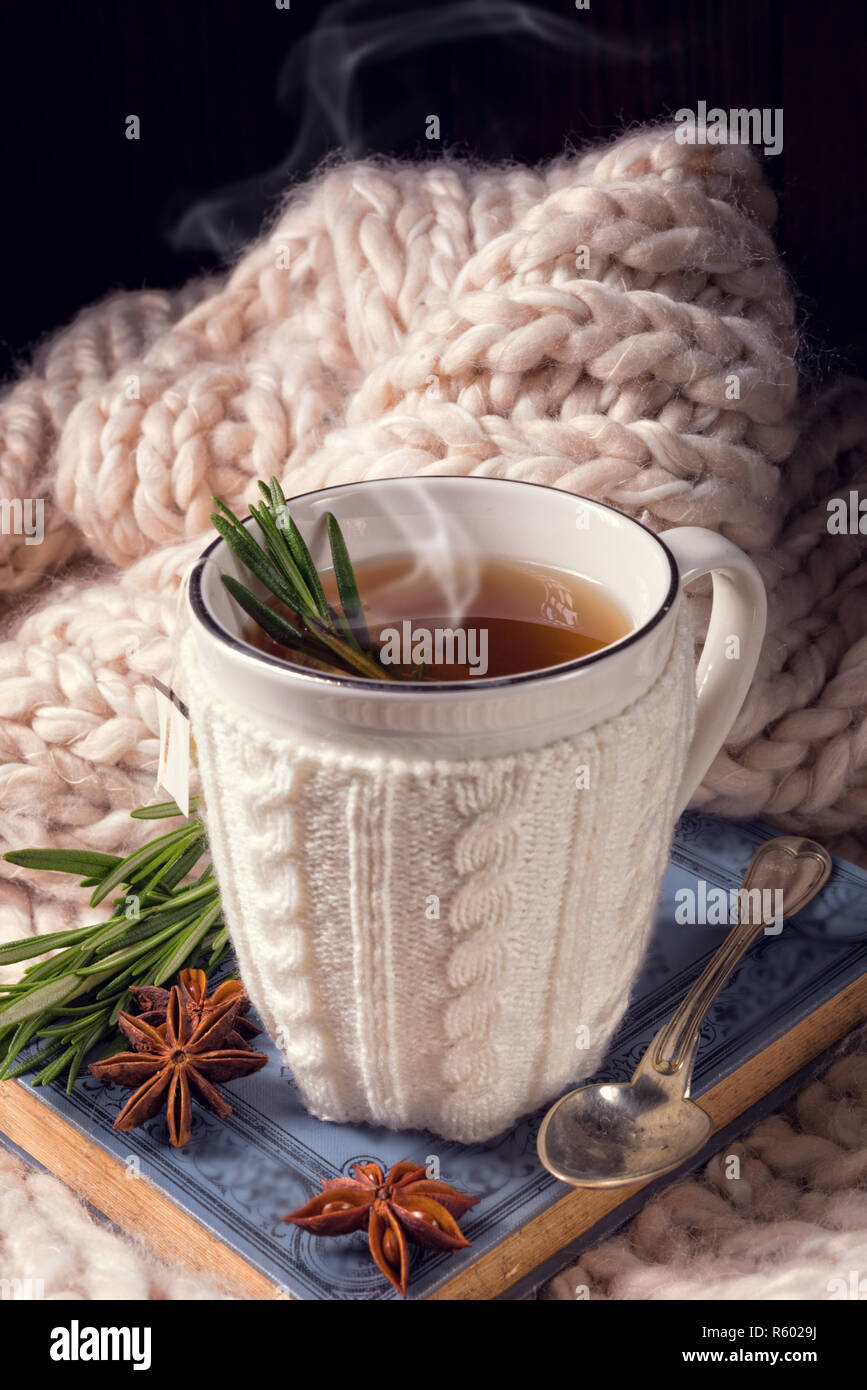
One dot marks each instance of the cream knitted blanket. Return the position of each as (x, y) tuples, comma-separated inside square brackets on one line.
[(617, 324)]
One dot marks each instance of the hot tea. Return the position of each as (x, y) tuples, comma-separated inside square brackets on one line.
[(472, 618)]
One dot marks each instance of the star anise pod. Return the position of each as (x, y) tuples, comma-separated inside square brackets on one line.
[(171, 1063), (405, 1207), (193, 984)]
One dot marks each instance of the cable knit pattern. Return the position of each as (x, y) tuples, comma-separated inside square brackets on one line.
[(461, 1019)]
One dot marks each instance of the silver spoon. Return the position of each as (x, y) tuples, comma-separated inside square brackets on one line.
[(609, 1134)]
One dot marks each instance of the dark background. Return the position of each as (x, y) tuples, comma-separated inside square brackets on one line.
[(228, 90)]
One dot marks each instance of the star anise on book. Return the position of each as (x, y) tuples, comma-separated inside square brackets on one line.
[(152, 1000), (171, 1063), (406, 1207)]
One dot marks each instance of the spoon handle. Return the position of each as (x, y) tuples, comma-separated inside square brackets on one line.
[(799, 868)]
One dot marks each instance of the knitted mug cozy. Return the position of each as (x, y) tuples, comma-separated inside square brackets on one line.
[(441, 944)]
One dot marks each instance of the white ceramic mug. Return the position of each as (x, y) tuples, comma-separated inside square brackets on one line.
[(429, 904)]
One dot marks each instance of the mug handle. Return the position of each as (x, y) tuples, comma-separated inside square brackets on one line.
[(739, 610)]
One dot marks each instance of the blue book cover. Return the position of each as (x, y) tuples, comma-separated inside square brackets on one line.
[(239, 1177)]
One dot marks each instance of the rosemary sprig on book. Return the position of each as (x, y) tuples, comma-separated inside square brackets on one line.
[(285, 566), (161, 923)]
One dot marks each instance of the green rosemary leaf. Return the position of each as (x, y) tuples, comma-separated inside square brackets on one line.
[(35, 1061), (171, 847), (66, 1030), (122, 1003), (145, 928), (121, 871), (207, 944), (46, 996), (177, 862), (73, 1011), (227, 512), (84, 1046), (162, 809), (68, 961), (341, 626), (282, 556), (109, 966), (64, 861), (184, 863), (19, 1040), (221, 943), (37, 945), (272, 623), (298, 548), (193, 899), (148, 879), (98, 962), (198, 895), (354, 656), (137, 972), (191, 939), (145, 968), (64, 964), (274, 495), (45, 970), (54, 1068), (347, 586), (70, 1029), (257, 561)]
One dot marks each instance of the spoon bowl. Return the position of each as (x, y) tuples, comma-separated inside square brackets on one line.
[(605, 1136)]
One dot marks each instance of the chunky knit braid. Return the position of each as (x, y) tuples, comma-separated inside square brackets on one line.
[(617, 324), (32, 415)]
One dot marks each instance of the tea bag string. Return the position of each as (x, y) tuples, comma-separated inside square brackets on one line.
[(182, 615)]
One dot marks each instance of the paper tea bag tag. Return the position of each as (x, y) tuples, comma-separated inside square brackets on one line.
[(174, 769)]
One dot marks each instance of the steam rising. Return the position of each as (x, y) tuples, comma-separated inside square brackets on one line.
[(320, 79), (435, 540), (319, 85)]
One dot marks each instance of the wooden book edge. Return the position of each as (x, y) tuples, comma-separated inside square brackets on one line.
[(170, 1233)]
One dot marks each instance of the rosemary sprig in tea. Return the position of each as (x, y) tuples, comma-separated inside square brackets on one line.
[(159, 925), (285, 566)]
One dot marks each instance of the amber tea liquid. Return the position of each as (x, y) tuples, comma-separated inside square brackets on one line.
[(473, 618)]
